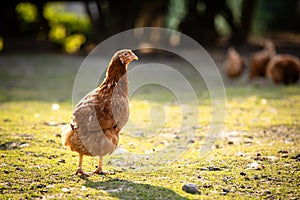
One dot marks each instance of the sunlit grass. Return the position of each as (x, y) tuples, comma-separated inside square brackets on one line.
[(26, 123)]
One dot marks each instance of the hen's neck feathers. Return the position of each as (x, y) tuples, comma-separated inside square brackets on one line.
[(116, 75)]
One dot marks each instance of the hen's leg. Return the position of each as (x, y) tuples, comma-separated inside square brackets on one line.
[(99, 168), (79, 170)]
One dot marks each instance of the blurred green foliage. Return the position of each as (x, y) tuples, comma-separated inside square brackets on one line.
[(236, 8), (73, 42), (27, 12), (68, 29), (57, 14), (177, 11), (276, 16), (58, 33), (63, 25), (1, 43), (222, 26), (261, 18)]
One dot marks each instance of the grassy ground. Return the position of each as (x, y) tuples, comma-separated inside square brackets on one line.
[(256, 156)]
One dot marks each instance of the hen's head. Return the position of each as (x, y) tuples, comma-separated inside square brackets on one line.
[(125, 56)]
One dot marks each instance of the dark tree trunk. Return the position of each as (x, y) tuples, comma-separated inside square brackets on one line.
[(43, 24), (200, 25), (9, 25), (247, 14), (120, 15), (96, 21)]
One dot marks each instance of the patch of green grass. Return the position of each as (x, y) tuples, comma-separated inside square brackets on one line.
[(256, 156)]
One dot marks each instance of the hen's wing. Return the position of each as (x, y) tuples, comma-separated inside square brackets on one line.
[(89, 128)]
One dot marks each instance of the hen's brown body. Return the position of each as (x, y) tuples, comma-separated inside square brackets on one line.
[(284, 68), (98, 118), (234, 63), (260, 60)]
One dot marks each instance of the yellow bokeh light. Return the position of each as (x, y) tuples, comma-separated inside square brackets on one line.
[(58, 33), (27, 11), (1, 43), (73, 43)]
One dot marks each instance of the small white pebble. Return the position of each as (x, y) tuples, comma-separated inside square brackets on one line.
[(24, 145), (36, 115), (114, 190), (253, 165), (65, 190), (55, 106), (83, 188), (264, 101), (50, 186), (240, 153)]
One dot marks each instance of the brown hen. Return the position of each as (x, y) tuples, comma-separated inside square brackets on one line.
[(260, 60), (234, 63), (98, 118), (284, 68)]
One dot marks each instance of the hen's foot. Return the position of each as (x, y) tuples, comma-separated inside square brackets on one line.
[(100, 172), (80, 171)]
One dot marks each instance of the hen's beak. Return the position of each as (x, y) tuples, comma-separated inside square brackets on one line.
[(133, 56)]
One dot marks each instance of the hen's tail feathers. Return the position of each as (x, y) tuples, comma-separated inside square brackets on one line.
[(66, 133)]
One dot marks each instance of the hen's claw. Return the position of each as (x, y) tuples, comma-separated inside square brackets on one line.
[(80, 171), (100, 172)]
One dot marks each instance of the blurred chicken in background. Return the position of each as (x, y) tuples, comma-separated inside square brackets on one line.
[(234, 64)]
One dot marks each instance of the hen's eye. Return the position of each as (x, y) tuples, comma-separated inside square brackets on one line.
[(125, 54)]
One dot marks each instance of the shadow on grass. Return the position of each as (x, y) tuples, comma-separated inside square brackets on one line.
[(125, 189)]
